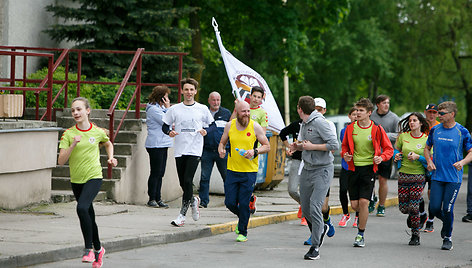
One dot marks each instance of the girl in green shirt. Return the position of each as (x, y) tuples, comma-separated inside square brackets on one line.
[(409, 157)]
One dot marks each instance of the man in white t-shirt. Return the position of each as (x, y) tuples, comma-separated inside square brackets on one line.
[(188, 118)]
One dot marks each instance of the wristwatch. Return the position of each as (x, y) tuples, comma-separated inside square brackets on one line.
[(256, 152)]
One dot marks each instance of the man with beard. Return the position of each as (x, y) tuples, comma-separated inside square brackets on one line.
[(243, 134)]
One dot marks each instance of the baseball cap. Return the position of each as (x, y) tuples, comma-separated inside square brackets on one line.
[(431, 106), (320, 102)]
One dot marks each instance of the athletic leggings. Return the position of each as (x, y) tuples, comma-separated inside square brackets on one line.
[(410, 190), (186, 167), (84, 194), (443, 197), (343, 186)]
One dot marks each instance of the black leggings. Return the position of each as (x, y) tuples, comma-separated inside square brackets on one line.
[(84, 194), (158, 160), (186, 167), (343, 186)]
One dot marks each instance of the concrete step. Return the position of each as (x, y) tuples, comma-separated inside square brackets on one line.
[(68, 196), (123, 148), (128, 124), (63, 171), (63, 184), (124, 136)]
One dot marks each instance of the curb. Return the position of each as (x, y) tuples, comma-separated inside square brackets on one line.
[(152, 240)]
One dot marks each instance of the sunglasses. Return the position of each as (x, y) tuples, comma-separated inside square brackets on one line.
[(443, 113)]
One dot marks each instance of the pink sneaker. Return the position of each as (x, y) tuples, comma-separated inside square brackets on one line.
[(99, 262), (354, 225), (344, 220), (88, 256)]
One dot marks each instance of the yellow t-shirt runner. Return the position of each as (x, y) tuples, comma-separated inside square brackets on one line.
[(242, 139)]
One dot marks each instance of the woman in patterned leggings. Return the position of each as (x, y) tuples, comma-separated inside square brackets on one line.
[(409, 147)]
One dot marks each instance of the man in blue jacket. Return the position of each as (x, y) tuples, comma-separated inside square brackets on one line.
[(210, 147)]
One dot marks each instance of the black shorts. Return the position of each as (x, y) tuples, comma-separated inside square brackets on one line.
[(385, 169), (361, 182)]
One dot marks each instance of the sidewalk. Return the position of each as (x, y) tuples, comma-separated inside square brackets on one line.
[(51, 232)]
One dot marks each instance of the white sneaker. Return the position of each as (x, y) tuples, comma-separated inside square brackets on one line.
[(195, 208), (179, 222)]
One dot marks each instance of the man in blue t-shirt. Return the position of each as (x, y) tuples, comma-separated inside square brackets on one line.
[(449, 139)]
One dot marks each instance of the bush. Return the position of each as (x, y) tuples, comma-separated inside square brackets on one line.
[(100, 96)]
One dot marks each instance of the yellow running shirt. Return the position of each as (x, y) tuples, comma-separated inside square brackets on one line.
[(245, 139)]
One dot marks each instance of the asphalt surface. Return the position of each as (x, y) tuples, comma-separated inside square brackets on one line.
[(50, 232)]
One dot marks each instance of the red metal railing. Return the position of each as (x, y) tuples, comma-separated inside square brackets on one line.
[(136, 63)]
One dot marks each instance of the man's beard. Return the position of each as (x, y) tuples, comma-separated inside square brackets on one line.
[(243, 121)]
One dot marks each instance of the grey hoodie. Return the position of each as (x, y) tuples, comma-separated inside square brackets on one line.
[(317, 130)]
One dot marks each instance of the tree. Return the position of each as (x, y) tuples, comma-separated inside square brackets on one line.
[(269, 36), (123, 25)]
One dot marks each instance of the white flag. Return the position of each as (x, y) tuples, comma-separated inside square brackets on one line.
[(242, 78)]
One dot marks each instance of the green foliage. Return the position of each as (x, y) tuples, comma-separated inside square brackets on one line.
[(123, 25), (100, 96)]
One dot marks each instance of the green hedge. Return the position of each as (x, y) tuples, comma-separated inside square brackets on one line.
[(100, 96)]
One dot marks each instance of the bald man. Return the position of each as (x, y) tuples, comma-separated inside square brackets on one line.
[(210, 147), (242, 134)]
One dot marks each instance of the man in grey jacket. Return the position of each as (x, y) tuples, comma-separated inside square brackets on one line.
[(389, 121), (316, 140)]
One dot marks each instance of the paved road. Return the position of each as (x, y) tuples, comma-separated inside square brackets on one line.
[(281, 245)]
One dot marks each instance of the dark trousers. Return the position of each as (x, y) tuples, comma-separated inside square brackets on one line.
[(209, 157), (343, 186), (441, 203), (84, 194), (158, 160), (238, 189), (186, 167)]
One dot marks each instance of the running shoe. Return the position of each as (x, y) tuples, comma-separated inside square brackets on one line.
[(162, 204), (429, 227), (99, 258), (331, 229), (423, 219), (179, 222), (299, 214), (381, 211), (252, 204), (196, 208), (359, 241), (88, 256), (344, 220), (241, 238), (372, 204), (356, 219), (303, 222), (307, 242), (325, 229), (447, 244), (467, 218), (312, 254), (414, 241), (152, 203)]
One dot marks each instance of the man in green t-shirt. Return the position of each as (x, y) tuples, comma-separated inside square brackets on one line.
[(365, 146)]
